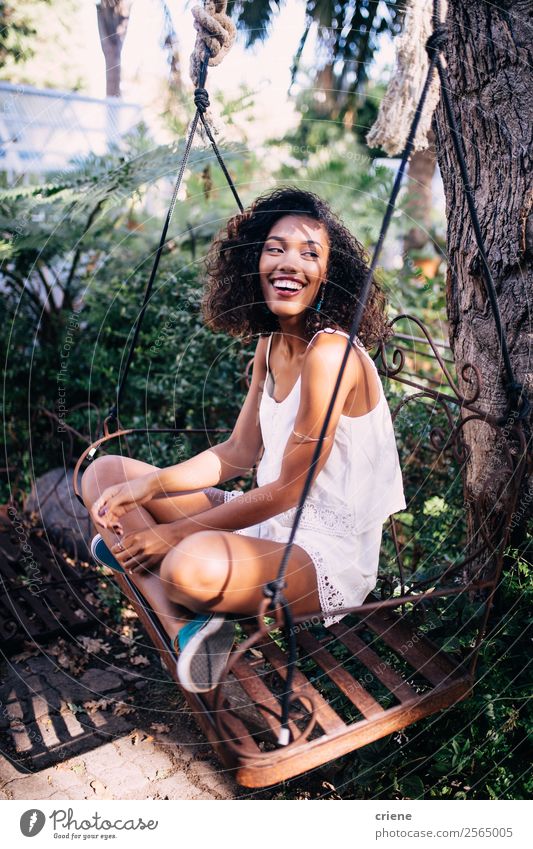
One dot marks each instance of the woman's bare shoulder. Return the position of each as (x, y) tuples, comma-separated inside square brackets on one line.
[(260, 356)]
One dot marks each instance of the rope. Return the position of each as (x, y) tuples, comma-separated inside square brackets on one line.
[(215, 37), (396, 111), (210, 26)]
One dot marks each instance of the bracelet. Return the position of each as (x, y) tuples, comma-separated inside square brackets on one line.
[(311, 438)]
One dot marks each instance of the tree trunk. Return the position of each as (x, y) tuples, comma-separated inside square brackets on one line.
[(113, 18), (325, 92), (418, 204), (489, 60)]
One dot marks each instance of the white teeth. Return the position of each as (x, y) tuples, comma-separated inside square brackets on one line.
[(282, 283)]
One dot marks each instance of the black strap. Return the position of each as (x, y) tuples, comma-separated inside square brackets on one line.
[(201, 100)]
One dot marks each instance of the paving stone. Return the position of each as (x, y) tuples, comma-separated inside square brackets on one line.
[(211, 778), (129, 676), (44, 665), (104, 757), (10, 712), (25, 685), (126, 781), (177, 786), (100, 681), (33, 786), (71, 793), (157, 765), (40, 706), (9, 772)]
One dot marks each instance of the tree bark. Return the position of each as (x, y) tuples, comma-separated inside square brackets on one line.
[(419, 199), (113, 18), (489, 59)]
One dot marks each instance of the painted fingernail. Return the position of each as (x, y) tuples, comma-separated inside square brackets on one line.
[(102, 511)]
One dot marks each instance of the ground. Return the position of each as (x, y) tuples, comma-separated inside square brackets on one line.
[(113, 732)]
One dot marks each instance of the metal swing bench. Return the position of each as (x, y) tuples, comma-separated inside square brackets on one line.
[(296, 695)]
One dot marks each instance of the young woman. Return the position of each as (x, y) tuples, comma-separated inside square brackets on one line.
[(288, 271)]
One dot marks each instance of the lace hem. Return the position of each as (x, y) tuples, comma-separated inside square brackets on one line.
[(329, 596), (228, 496), (336, 521)]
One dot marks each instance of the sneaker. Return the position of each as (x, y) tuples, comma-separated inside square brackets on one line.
[(102, 555), (204, 648)]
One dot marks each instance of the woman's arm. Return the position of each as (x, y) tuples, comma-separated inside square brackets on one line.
[(320, 368), (231, 458)]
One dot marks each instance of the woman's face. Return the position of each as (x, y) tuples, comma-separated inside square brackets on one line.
[(293, 264)]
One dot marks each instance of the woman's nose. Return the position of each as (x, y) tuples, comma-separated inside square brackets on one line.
[(289, 260)]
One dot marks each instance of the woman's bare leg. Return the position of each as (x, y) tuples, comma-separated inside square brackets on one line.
[(226, 572), (113, 469)]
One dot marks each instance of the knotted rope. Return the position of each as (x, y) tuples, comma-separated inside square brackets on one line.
[(215, 37), (413, 55)]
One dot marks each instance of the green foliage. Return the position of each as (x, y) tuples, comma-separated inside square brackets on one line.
[(43, 44), (17, 31), (347, 33), (76, 254)]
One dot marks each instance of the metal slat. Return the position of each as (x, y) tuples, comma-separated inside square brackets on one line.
[(422, 655), (328, 720), (348, 685), (374, 663)]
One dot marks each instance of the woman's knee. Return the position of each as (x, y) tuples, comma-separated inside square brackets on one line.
[(103, 472), (196, 569)]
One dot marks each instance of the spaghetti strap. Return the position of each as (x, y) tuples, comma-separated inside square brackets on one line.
[(269, 343), (331, 330)]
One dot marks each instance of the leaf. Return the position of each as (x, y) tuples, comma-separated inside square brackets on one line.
[(122, 709), (139, 660), (78, 768), (95, 646), (100, 704), (97, 785), (412, 787)]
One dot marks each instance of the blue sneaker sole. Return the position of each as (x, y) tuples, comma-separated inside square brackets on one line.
[(202, 662), (100, 552)]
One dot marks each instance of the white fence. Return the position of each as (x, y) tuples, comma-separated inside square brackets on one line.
[(44, 130)]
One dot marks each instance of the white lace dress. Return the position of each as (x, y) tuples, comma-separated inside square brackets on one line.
[(358, 488)]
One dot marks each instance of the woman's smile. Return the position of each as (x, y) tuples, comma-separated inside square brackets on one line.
[(287, 287)]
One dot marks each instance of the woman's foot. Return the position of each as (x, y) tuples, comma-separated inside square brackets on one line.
[(204, 648)]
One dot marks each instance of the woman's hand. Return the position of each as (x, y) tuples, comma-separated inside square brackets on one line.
[(121, 498), (142, 550)]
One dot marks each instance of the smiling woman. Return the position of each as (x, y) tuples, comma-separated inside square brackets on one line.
[(236, 298), (285, 267)]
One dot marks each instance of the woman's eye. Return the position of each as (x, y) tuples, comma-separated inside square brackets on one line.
[(273, 249), (311, 253)]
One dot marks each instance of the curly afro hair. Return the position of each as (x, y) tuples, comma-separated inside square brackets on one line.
[(233, 301)]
